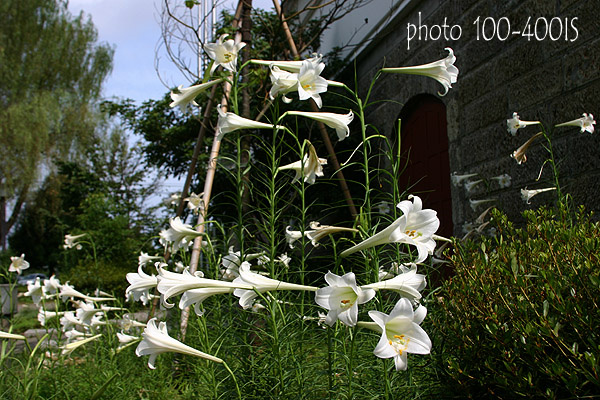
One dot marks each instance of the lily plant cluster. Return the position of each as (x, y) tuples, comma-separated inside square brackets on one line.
[(243, 274)]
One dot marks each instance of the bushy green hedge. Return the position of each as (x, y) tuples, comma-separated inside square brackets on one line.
[(520, 316)]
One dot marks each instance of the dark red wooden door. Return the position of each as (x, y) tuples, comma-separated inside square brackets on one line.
[(424, 147)]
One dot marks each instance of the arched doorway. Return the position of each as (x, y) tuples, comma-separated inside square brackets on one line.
[(424, 150)]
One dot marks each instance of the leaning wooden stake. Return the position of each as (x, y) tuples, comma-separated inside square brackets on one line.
[(315, 108), (208, 183)]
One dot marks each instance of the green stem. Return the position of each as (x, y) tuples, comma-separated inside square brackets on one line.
[(237, 387)]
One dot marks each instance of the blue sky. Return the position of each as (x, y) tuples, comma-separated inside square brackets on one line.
[(132, 26)]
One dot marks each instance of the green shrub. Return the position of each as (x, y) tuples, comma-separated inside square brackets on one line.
[(520, 316), (87, 277)]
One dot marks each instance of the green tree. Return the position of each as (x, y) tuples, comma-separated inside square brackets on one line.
[(51, 71)]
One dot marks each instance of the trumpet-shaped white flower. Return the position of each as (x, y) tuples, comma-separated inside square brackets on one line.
[(224, 53), (197, 296), (70, 347), (127, 323), (442, 71), (526, 194), (282, 82), (458, 179), (156, 340), (35, 290), (307, 81), (69, 320), (504, 180), (186, 96), (311, 164), (195, 203), (318, 231), (18, 264), (67, 291), (339, 122), (310, 81), (232, 261), (145, 258), (514, 123), (342, 298), (87, 311), (401, 333), (43, 315), (259, 283), (6, 335), (416, 227), (51, 285), (229, 122), (475, 204), (292, 236), (290, 66), (171, 284), (408, 283), (179, 235), (125, 338), (71, 241), (140, 285), (519, 154), (470, 185), (586, 123)]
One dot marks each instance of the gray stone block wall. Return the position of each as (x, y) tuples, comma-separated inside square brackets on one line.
[(550, 81)]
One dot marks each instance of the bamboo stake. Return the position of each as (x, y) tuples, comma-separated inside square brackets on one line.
[(208, 183), (322, 129)]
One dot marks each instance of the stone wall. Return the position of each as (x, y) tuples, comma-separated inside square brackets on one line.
[(550, 81)]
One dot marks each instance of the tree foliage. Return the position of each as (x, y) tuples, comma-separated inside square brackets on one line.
[(51, 71)]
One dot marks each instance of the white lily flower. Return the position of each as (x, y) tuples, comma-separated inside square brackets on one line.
[(171, 284), (195, 203), (290, 66), (342, 298), (284, 259), (179, 234), (145, 258), (71, 241), (6, 335), (67, 291), (70, 347), (35, 290), (313, 166), (259, 283), (43, 315), (229, 122), (156, 340), (415, 227), (519, 154), (526, 194), (292, 236), (69, 320), (319, 231), (86, 312), (475, 204), (186, 96), (232, 261), (128, 323), (125, 338), (514, 123), (504, 180), (224, 53), (18, 264), (442, 71), (197, 296), (401, 333), (339, 122), (458, 179), (586, 123), (73, 335), (282, 82), (51, 285), (310, 83), (383, 207), (470, 185), (140, 285), (408, 283)]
